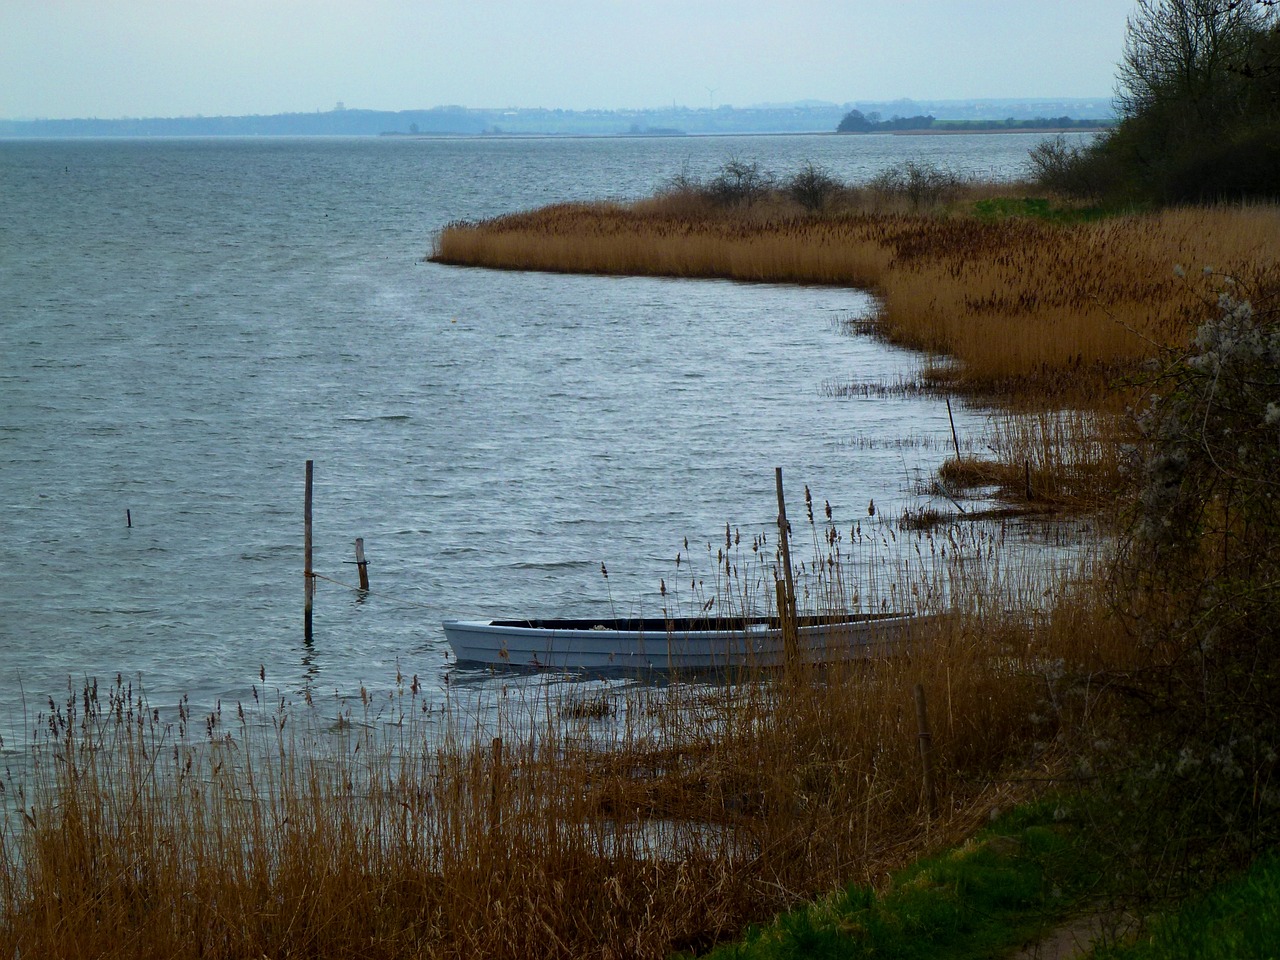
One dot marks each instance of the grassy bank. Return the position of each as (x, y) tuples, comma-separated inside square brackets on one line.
[(1006, 887), (1033, 884), (1240, 918)]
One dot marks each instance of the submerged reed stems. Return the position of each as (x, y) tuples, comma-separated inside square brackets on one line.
[(665, 817)]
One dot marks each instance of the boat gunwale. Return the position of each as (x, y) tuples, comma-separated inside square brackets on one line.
[(662, 626)]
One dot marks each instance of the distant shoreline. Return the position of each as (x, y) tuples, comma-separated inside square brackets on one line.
[(397, 135), (798, 118), (1001, 130)]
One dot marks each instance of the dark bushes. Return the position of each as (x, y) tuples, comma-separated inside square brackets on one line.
[(922, 184), (1246, 166), (739, 184), (813, 188)]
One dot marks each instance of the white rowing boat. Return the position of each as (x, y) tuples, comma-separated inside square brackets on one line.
[(659, 644)]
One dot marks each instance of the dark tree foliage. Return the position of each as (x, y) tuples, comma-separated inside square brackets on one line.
[(855, 121), (1199, 101)]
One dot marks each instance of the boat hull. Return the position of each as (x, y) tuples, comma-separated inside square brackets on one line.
[(667, 645)]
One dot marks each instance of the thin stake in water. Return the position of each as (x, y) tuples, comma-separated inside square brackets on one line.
[(308, 575)]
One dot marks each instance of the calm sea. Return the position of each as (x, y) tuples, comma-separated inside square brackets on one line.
[(185, 323)]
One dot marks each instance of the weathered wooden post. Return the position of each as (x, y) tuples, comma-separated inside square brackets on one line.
[(955, 439), (926, 754), (787, 604), (307, 574), (790, 651), (495, 787), (362, 564)]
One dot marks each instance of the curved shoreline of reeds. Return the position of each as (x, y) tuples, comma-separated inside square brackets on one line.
[(1052, 320), (1029, 310)]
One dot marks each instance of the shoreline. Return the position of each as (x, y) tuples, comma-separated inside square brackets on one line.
[(1000, 130)]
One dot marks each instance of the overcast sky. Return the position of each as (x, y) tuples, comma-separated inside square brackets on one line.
[(114, 58)]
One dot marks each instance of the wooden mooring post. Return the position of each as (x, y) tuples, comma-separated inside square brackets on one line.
[(955, 437), (926, 754), (786, 589), (308, 575), (362, 564), (495, 786), (790, 642)]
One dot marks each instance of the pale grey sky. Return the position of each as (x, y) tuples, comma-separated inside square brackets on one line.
[(114, 58)]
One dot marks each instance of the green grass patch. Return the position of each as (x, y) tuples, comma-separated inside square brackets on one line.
[(989, 895), (1236, 921), (1037, 208)]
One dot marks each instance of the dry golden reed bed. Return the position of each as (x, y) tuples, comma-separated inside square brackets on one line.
[(1029, 309), (621, 822)]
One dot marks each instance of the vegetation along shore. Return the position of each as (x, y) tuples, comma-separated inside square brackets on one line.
[(1103, 738)]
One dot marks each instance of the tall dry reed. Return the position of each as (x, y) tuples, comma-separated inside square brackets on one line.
[(627, 822)]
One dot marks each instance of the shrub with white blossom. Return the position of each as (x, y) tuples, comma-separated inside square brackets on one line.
[(1200, 581), (1211, 474)]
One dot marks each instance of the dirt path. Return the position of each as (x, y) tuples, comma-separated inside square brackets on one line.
[(1077, 937)]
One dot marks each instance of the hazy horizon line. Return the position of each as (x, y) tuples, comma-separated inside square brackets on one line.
[(341, 107)]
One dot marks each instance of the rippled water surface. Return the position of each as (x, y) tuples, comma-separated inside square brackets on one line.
[(185, 323)]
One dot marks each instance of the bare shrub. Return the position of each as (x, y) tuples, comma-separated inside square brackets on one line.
[(740, 183), (812, 187), (921, 184)]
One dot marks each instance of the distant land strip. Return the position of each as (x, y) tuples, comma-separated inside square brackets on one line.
[(454, 121)]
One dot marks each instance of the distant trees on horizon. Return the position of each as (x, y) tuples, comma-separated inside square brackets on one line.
[(855, 121)]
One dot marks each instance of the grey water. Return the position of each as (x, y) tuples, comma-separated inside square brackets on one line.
[(184, 323)]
